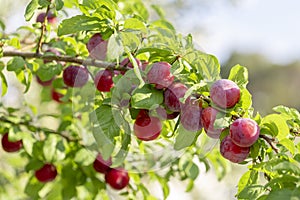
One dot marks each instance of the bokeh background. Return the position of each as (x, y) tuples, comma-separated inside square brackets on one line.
[(264, 36)]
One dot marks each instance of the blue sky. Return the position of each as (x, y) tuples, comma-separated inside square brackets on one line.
[(270, 27)]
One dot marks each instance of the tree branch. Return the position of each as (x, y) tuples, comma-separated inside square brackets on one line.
[(88, 61), (37, 129), (270, 142)]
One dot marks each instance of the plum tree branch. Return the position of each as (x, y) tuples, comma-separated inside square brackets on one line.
[(88, 61), (270, 142), (37, 129)]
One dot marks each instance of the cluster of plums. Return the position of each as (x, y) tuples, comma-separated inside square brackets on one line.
[(224, 94), (243, 132), (44, 174), (117, 178)]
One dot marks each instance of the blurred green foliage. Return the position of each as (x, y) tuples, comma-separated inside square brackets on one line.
[(270, 84)]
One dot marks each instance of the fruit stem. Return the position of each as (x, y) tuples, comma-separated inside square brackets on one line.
[(270, 142)]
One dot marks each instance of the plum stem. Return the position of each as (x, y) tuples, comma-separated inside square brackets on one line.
[(270, 142)]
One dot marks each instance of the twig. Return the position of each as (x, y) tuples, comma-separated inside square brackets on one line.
[(43, 30), (88, 61), (176, 58), (38, 129), (270, 142)]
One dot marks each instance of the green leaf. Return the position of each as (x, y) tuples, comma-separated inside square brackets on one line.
[(84, 157), (196, 87), (251, 192), (164, 184), (14, 42), (222, 121), (185, 138), (95, 4), (276, 125), (1, 51), (28, 80), (49, 148), (2, 26), (33, 164), (254, 150), (289, 144), (285, 181), (146, 97), (245, 101), (249, 178), (130, 41), (59, 4), (47, 72), (284, 194), (209, 66), (28, 142), (30, 9), (33, 187), (115, 47), (104, 130), (191, 170), (239, 75), (121, 155), (68, 177), (164, 24), (79, 23), (17, 64), (135, 24), (190, 186), (289, 113), (44, 3), (136, 69), (4, 85), (123, 88), (156, 54), (286, 166), (159, 11)]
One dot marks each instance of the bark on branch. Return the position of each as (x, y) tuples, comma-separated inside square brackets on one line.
[(86, 62)]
